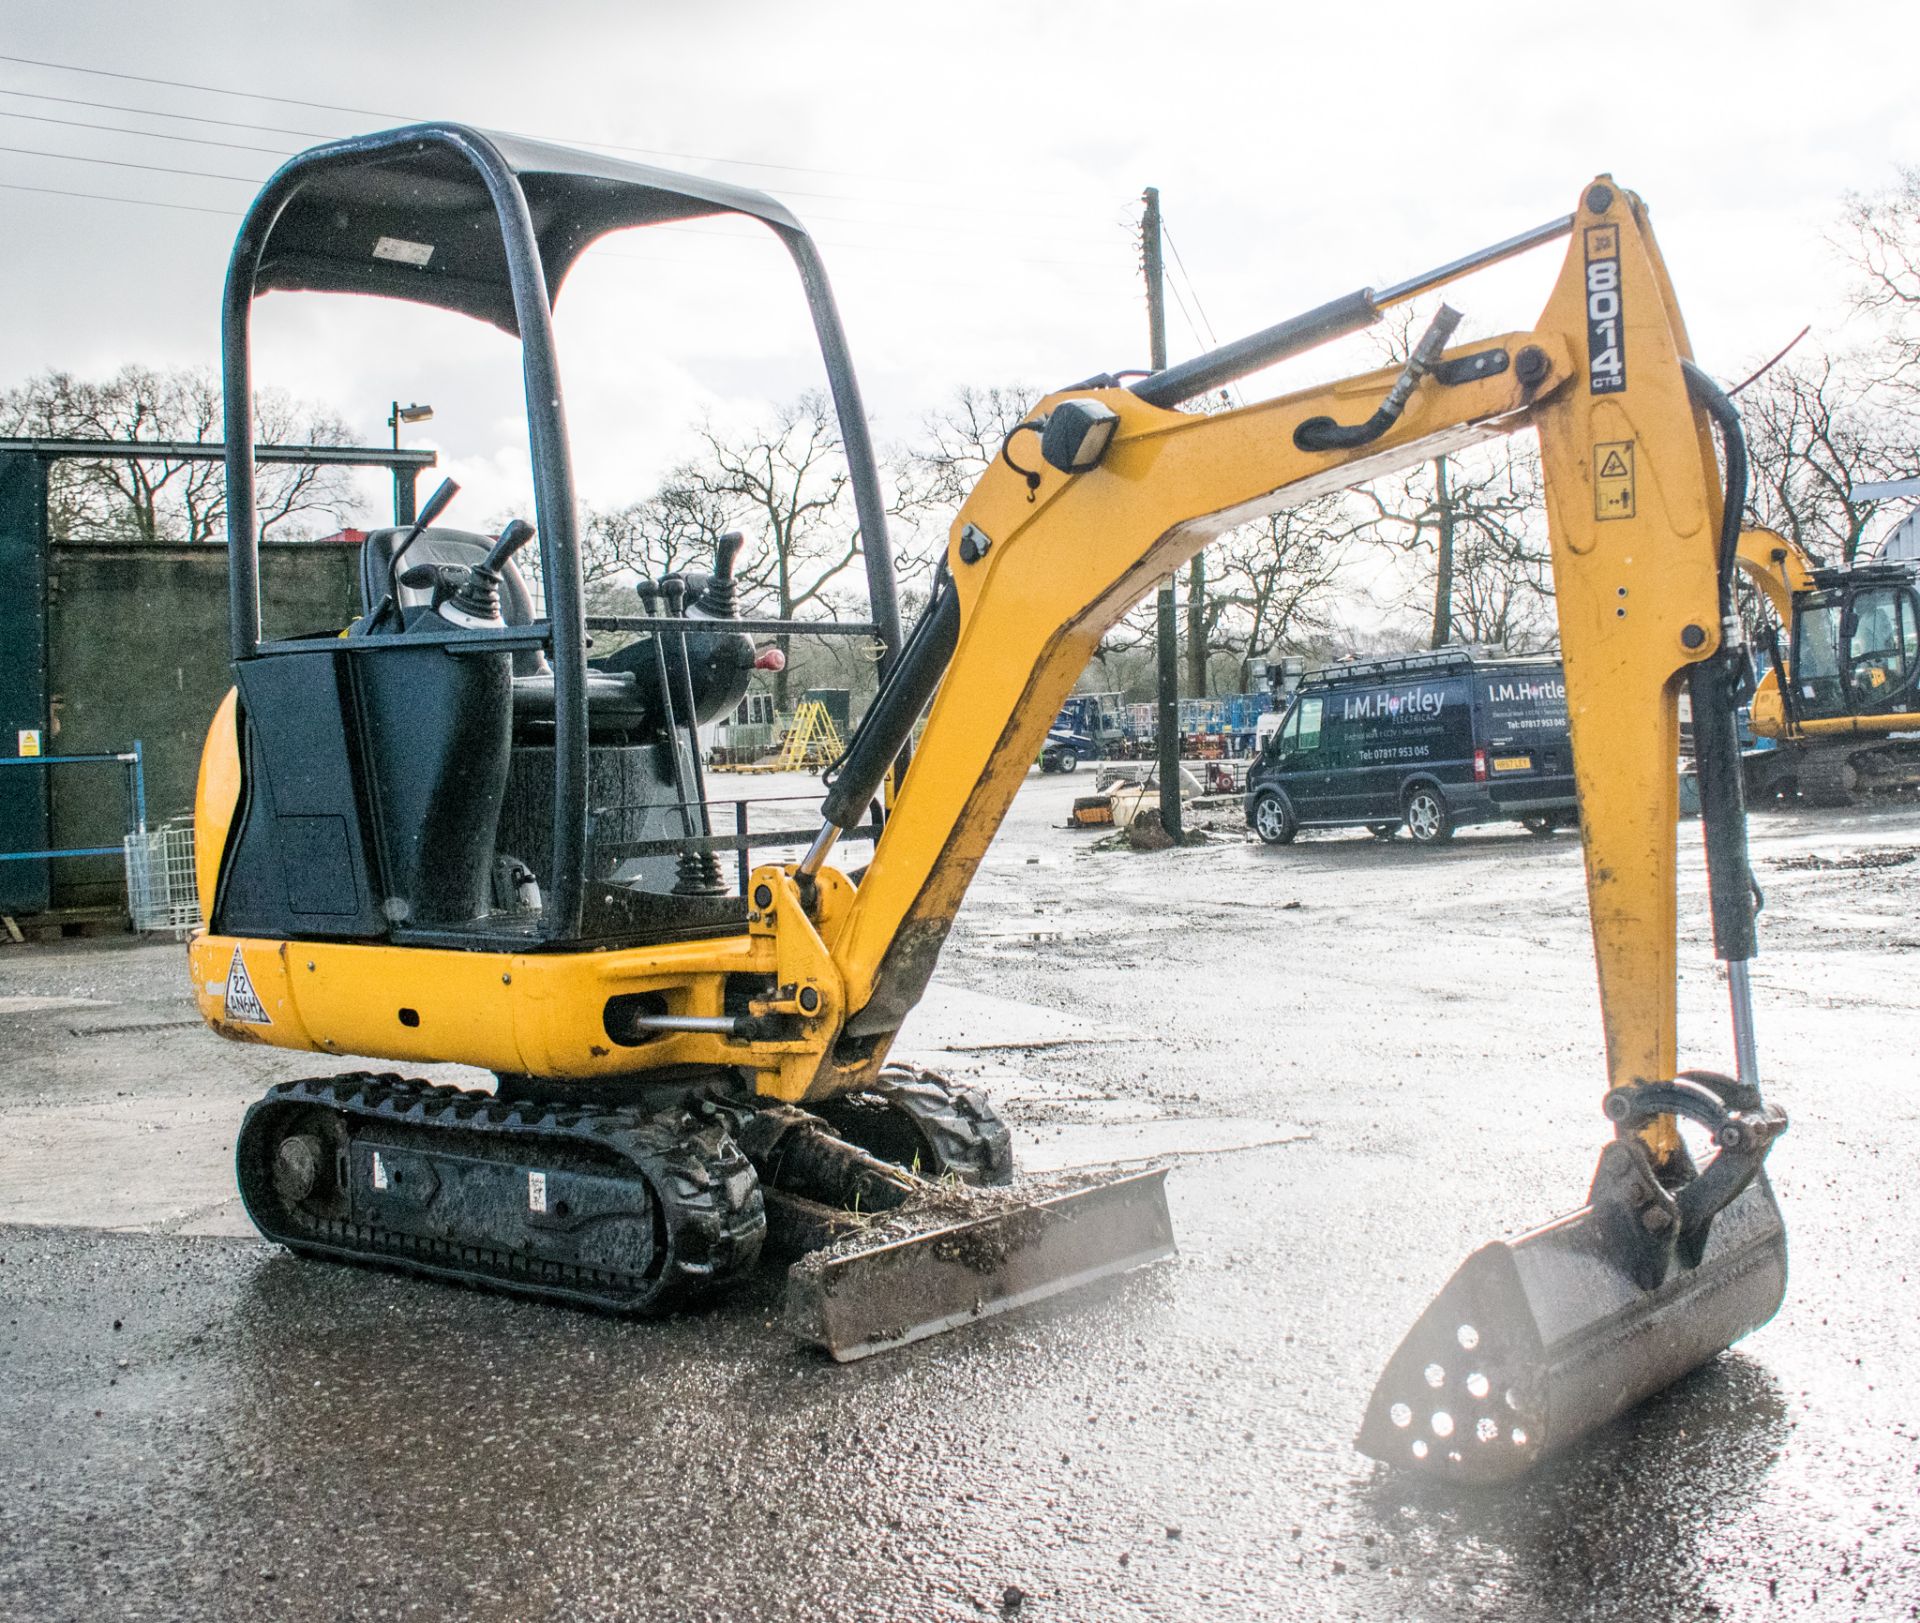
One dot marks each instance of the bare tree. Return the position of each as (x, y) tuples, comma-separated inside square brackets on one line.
[(787, 480), (1815, 428), (1474, 521), (1273, 581), (169, 499), (673, 530), (959, 441), (1882, 240)]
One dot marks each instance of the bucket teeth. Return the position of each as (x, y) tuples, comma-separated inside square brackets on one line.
[(969, 1254), (1536, 1341)]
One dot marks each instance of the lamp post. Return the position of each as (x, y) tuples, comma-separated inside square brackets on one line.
[(403, 492)]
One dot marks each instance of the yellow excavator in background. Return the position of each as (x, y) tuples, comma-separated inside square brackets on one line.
[(446, 836), (1837, 698)]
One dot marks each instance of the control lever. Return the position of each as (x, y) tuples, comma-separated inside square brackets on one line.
[(470, 595), (437, 504), (476, 600), (717, 600)]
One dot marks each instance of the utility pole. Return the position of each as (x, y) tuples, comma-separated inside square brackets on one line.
[(1167, 638), (1442, 632)]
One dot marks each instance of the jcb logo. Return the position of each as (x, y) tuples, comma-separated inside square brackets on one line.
[(1606, 351)]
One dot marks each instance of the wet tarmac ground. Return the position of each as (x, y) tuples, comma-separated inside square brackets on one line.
[(1360, 1060)]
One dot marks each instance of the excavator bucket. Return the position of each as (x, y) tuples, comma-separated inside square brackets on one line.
[(961, 1254), (1536, 1341)]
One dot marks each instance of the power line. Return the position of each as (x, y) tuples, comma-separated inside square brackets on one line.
[(287, 152), (127, 163), (182, 84), (1173, 287), (155, 112), (234, 214), (147, 135), (254, 180), (1187, 277), (705, 269), (407, 118), (102, 197), (1231, 391)]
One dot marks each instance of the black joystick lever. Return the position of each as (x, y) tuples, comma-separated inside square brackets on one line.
[(717, 599), (477, 598), (437, 504)]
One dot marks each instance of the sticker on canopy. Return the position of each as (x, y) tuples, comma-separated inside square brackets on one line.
[(403, 252), (243, 1002)]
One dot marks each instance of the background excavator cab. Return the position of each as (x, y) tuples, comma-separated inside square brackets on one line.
[(1857, 648), (1839, 695)]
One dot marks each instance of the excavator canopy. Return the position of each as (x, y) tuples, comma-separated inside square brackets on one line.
[(412, 214)]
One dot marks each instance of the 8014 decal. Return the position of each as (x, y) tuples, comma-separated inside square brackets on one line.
[(1606, 347)]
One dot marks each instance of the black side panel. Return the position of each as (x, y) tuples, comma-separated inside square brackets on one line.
[(301, 865), (24, 820), (436, 727)]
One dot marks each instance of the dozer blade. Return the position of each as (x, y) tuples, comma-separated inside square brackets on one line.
[(968, 1254), (1538, 1340)]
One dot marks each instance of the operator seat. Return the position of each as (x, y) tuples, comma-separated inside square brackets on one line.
[(615, 712)]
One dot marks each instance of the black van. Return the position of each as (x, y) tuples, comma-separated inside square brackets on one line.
[(1429, 740)]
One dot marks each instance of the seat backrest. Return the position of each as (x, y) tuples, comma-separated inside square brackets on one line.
[(444, 546)]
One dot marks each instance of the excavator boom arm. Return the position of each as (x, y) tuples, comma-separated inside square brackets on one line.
[(1042, 568)]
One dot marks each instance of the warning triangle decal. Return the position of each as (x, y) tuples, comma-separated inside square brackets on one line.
[(1615, 467), (243, 1003)]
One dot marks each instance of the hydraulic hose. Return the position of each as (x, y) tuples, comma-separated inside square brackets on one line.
[(1713, 400), (1324, 434), (1716, 740)]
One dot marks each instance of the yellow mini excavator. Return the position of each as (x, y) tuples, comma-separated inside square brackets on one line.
[(446, 836), (1839, 694)]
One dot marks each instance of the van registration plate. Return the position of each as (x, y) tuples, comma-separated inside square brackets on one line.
[(1513, 763)]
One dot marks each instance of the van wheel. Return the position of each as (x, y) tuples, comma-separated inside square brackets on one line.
[(1066, 760), (1383, 831), (1428, 819), (1273, 820)]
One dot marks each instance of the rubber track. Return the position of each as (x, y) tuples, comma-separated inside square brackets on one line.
[(1823, 774), (702, 1182)]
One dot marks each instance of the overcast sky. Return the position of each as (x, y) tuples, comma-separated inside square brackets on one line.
[(972, 175)]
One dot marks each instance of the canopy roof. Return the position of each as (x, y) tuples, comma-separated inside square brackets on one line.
[(406, 214)]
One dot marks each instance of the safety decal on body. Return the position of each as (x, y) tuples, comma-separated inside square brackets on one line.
[(243, 1002), (1613, 493), (536, 1191), (1606, 348)]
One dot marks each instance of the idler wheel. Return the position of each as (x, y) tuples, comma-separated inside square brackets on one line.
[(297, 1164)]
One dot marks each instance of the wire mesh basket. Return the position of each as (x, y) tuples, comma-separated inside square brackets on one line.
[(163, 890)]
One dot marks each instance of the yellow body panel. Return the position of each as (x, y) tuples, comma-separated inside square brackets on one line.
[(540, 1014), (1633, 502), (216, 798)]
